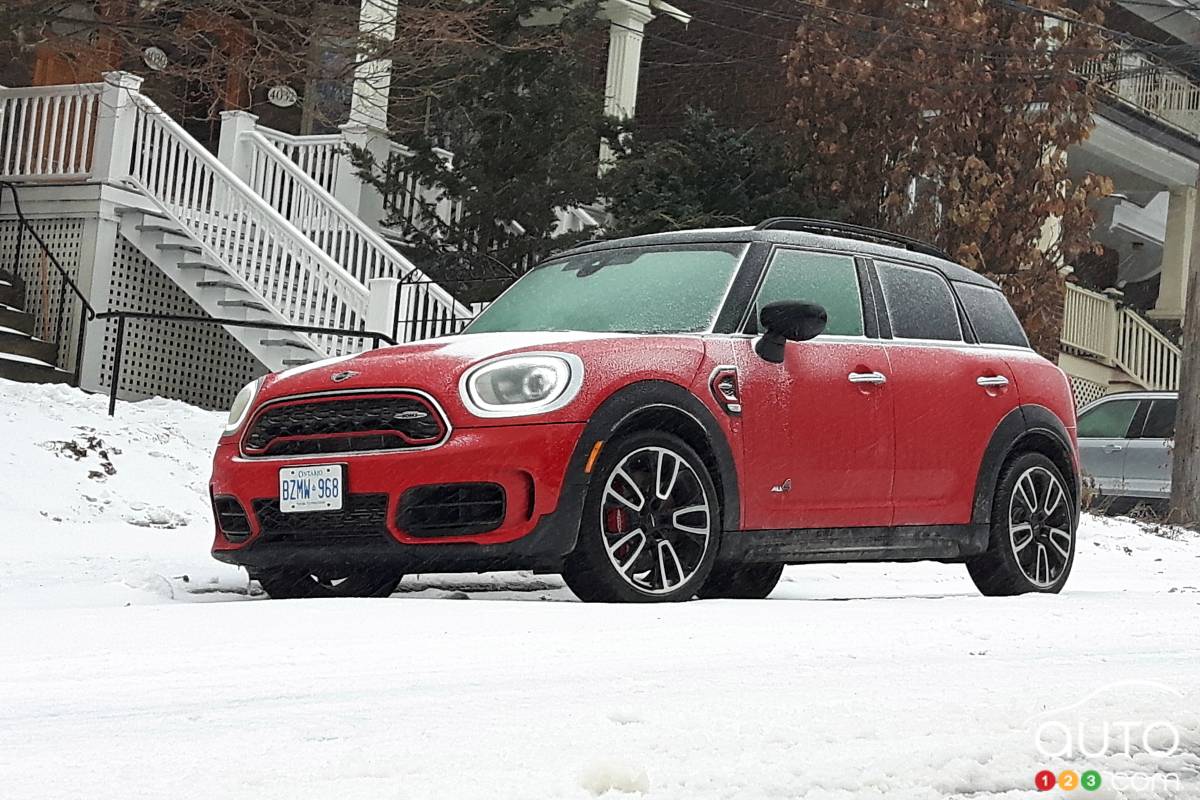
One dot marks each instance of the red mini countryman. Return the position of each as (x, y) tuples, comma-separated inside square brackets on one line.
[(671, 416)]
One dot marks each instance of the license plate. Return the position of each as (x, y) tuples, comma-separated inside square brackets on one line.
[(311, 488)]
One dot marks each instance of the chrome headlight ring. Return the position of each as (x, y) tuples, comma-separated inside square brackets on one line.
[(521, 384)]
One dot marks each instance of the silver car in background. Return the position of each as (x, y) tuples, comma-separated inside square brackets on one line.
[(1126, 443)]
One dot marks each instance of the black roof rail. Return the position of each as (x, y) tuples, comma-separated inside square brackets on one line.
[(829, 228)]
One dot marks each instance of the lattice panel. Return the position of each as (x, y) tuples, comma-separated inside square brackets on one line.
[(199, 364), (1086, 391), (43, 284)]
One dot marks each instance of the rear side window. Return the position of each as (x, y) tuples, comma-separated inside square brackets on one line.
[(1108, 420), (1160, 422), (919, 303), (824, 278), (991, 316)]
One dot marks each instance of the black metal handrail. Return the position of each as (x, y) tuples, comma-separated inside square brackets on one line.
[(88, 314), (121, 316)]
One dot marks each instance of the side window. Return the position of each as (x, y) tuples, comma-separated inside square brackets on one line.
[(991, 316), (1160, 422), (1108, 420), (919, 303), (825, 278)]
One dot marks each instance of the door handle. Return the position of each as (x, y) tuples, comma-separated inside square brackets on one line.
[(868, 377), (1113, 448), (993, 382)]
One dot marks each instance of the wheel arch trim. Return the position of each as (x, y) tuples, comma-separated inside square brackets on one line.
[(1020, 429), (622, 408)]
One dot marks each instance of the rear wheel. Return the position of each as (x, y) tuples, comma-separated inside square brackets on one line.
[(651, 524), (290, 583), (1032, 545), (741, 581)]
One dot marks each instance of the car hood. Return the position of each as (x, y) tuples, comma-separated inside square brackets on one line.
[(436, 366)]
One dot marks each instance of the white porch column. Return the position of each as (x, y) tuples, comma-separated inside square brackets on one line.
[(233, 149), (115, 126), (373, 75), (359, 197), (1177, 253), (625, 34)]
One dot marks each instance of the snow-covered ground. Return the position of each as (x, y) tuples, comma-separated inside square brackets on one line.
[(132, 665)]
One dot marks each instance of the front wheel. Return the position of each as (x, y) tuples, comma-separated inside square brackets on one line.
[(290, 584), (651, 524), (1032, 545)]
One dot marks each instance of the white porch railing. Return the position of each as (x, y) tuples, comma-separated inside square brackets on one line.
[(1151, 358), (343, 236), (48, 131), (1096, 326), (1150, 86), (317, 156), (299, 280)]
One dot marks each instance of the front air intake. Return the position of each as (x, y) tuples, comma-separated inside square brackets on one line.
[(231, 519), (452, 509)]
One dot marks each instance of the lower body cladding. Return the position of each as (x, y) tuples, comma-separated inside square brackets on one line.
[(489, 498)]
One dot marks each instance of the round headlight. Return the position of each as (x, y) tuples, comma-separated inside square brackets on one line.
[(525, 384), (241, 405)]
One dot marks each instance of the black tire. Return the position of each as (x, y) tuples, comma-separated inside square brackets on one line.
[(594, 575), (292, 584), (1025, 550), (741, 581)]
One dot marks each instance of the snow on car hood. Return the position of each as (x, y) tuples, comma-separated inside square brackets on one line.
[(435, 366), (468, 348)]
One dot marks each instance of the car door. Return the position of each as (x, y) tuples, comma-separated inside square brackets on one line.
[(1103, 432), (950, 394), (817, 429), (1148, 452)]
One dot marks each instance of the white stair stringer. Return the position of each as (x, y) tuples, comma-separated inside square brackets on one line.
[(216, 288)]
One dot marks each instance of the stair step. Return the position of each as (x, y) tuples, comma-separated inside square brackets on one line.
[(16, 319), (282, 343), (30, 370), (254, 304), (22, 344), (11, 295), (297, 362), (219, 285), (165, 227), (202, 265), (180, 247)]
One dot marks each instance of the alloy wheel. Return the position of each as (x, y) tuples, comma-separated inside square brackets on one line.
[(1040, 527), (656, 520)]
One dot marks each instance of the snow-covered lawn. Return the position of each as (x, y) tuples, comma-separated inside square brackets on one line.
[(132, 665)]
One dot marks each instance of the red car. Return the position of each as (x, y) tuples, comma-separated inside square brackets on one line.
[(671, 416)]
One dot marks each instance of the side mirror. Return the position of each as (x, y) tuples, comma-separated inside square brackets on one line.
[(788, 321)]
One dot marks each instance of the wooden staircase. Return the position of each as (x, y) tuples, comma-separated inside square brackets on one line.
[(23, 356)]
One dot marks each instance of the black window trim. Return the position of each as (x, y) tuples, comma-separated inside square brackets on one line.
[(967, 320), (964, 329), (770, 249), (1138, 423)]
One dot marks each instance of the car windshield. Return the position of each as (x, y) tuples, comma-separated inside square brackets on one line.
[(664, 289)]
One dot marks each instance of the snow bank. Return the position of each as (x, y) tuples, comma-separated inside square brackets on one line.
[(96, 509)]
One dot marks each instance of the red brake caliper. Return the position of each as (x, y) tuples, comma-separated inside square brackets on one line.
[(616, 520)]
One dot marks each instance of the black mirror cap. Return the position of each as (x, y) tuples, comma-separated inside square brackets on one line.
[(794, 321), (788, 321)]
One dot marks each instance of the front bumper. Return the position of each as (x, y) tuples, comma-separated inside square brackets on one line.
[(530, 462)]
